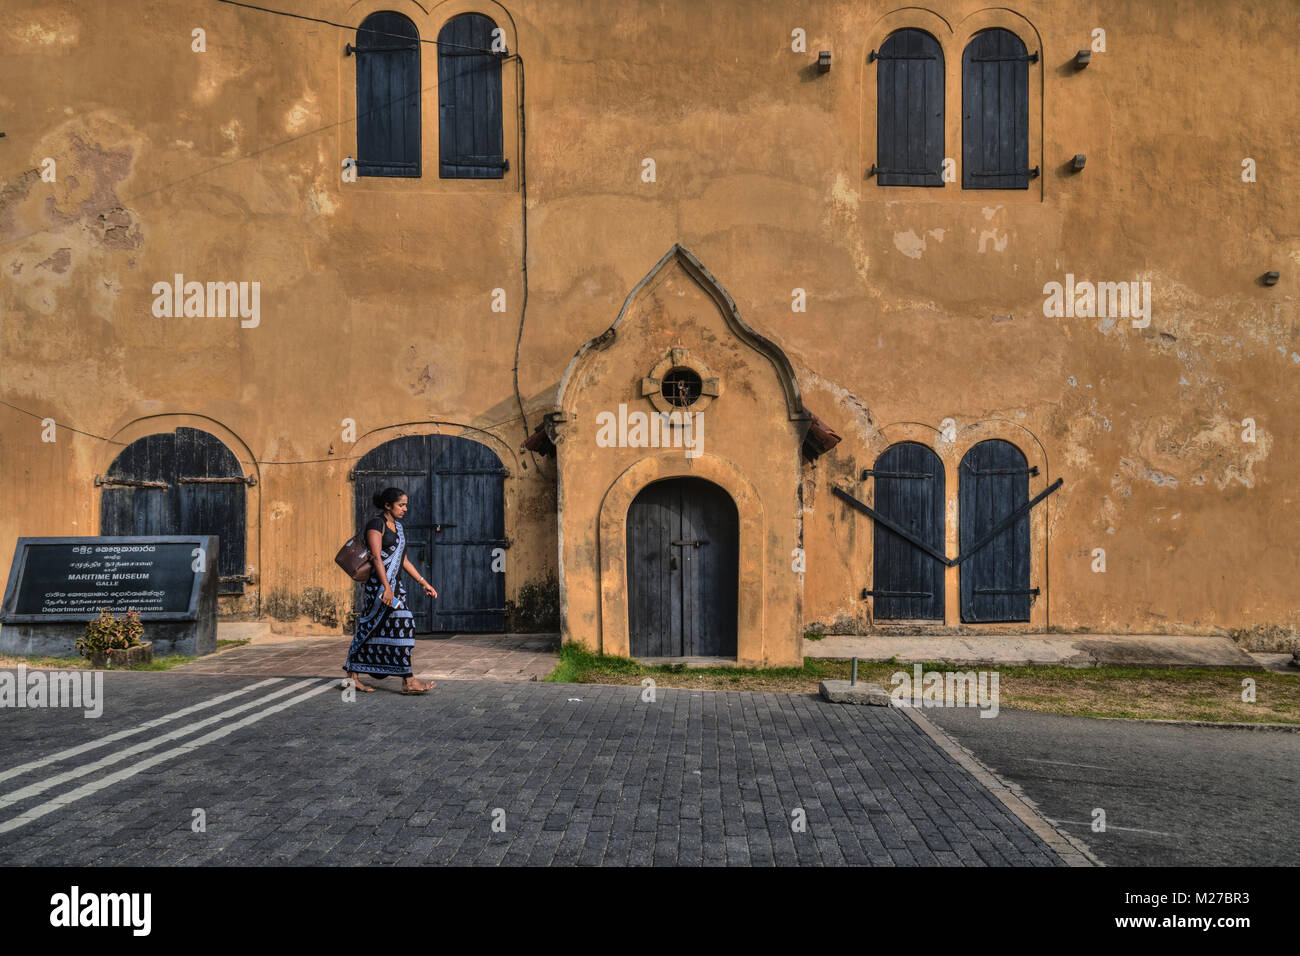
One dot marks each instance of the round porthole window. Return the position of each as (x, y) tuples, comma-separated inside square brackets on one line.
[(681, 387)]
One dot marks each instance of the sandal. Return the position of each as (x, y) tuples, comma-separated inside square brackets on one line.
[(356, 683), (428, 686)]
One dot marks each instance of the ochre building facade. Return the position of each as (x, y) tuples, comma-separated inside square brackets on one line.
[(946, 327)]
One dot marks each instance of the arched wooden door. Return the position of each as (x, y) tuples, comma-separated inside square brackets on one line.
[(455, 526), (995, 579), (683, 549), (908, 582), (181, 482)]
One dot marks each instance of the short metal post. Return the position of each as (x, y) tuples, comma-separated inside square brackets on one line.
[(854, 678)]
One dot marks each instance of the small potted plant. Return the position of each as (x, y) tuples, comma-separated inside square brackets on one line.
[(115, 642)]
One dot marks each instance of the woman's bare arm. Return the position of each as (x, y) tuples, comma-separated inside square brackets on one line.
[(376, 541)]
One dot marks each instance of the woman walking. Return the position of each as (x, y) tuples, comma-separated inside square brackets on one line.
[(385, 633)]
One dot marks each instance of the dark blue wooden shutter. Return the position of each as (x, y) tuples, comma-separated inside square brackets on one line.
[(388, 96), (908, 583), (909, 110), (469, 100), (995, 579), (995, 112), (210, 499)]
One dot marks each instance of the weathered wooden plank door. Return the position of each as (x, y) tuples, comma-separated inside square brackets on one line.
[(995, 112), (388, 96), (908, 582), (995, 579), (468, 535), (683, 548), (456, 518), (470, 142), (909, 110), (186, 482)]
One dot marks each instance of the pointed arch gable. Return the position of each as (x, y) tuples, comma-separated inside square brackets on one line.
[(692, 266)]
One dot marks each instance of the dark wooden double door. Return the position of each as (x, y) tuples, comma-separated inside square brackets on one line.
[(683, 549), (180, 482), (994, 571), (455, 526)]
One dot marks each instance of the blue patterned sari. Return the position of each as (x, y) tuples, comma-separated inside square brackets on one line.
[(385, 635)]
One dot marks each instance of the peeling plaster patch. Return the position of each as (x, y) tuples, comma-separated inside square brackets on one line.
[(1074, 383), (999, 245), (1182, 380), (844, 196), (1106, 326), (13, 193), (321, 203), (909, 244), (991, 211), (231, 132), (187, 144), (279, 510), (54, 28), (59, 263), (937, 234), (301, 112), (861, 415)]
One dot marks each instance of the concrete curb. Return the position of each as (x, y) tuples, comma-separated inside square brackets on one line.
[(1069, 848)]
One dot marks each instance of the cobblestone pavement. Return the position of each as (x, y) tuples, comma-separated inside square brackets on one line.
[(570, 774), (461, 657)]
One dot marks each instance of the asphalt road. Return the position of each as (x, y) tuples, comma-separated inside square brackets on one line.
[(1189, 796)]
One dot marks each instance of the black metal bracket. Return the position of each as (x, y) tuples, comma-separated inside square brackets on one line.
[(1031, 173), (350, 49), (872, 473), (1031, 470), (1033, 591), (902, 172), (897, 529), (868, 592), (873, 56), (1029, 57)]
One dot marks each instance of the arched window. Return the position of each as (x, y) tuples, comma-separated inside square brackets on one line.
[(995, 570), (995, 112), (909, 110), (388, 96), (469, 100), (181, 482)]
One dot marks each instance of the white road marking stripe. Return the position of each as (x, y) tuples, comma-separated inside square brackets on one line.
[(1088, 823), (41, 786), (122, 734), (36, 812)]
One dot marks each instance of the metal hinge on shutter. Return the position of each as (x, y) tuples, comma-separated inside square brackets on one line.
[(1031, 173), (475, 471), (504, 164), (902, 172), (232, 480), (1032, 470), (372, 164), (103, 481), (873, 56), (235, 579), (1030, 58), (871, 592), (355, 473), (871, 473), (1033, 591), (350, 49)]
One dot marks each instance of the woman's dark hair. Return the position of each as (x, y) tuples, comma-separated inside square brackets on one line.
[(388, 496)]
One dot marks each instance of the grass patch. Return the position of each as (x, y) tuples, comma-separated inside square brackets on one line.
[(223, 644), (1162, 693)]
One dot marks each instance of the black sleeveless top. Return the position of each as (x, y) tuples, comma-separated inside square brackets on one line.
[(379, 524)]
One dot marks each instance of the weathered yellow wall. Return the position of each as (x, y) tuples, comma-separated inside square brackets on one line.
[(922, 304)]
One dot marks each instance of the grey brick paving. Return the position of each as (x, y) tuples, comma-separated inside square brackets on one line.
[(697, 778)]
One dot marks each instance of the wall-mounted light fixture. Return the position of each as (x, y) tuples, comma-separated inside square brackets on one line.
[(824, 61), (1082, 59), (1270, 278), (1078, 162)]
